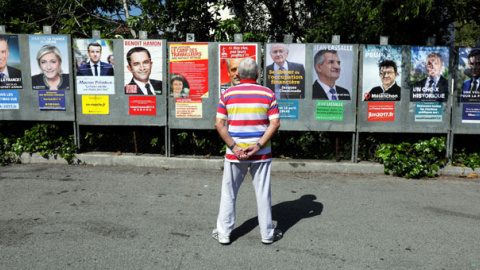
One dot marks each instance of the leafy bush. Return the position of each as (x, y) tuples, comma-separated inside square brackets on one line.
[(471, 160), (41, 138), (418, 160)]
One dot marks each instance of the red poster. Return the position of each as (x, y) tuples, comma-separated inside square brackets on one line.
[(189, 70), (230, 57), (142, 105), (381, 111)]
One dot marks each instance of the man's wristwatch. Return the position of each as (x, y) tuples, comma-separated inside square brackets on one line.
[(259, 145), (233, 145)]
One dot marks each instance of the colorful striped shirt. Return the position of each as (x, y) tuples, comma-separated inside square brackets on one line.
[(248, 108)]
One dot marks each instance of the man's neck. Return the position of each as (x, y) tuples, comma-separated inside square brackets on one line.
[(329, 83), (3, 69)]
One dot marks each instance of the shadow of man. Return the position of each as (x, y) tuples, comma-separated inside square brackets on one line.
[(287, 214)]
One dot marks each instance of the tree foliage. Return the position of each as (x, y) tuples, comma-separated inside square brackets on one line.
[(357, 21)]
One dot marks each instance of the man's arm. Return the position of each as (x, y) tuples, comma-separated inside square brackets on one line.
[(225, 135), (272, 128)]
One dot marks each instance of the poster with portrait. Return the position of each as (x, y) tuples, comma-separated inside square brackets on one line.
[(10, 63), (49, 62), (143, 67), (429, 74), (188, 70), (468, 75), (230, 57), (382, 73), (285, 70), (332, 72), (95, 76)]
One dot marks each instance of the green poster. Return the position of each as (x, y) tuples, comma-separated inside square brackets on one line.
[(329, 110)]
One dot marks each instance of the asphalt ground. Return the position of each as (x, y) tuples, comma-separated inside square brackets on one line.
[(57, 216)]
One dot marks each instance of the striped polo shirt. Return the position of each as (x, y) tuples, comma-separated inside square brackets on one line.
[(248, 108)]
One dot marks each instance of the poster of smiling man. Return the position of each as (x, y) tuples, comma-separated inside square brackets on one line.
[(429, 74), (49, 62), (285, 70), (94, 73), (144, 66), (382, 73), (10, 64)]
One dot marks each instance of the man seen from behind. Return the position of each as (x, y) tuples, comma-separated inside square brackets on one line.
[(253, 117)]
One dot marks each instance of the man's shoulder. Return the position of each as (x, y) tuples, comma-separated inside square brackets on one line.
[(294, 64), (376, 89), (14, 72), (248, 87), (420, 83), (104, 64), (341, 89)]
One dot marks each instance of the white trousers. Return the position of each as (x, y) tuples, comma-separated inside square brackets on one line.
[(233, 176)]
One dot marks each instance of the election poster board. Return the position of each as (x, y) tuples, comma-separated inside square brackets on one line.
[(189, 70), (94, 75), (285, 70), (230, 55)]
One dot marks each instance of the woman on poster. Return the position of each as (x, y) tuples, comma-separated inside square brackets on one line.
[(51, 77), (179, 86)]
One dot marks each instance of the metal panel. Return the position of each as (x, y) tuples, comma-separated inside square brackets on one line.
[(405, 115), (28, 99), (119, 101)]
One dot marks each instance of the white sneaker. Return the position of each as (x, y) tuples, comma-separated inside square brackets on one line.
[(277, 235), (222, 240)]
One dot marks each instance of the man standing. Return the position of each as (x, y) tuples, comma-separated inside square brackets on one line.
[(389, 90), (286, 78), (327, 66), (232, 67), (435, 86), (95, 67), (9, 76), (470, 87), (140, 65), (248, 140)]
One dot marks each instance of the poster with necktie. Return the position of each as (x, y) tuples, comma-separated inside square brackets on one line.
[(10, 64), (468, 75), (429, 74), (94, 73)]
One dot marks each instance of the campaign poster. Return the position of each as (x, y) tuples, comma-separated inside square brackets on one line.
[(95, 104), (471, 113), (332, 71), (428, 112), (468, 75), (188, 108), (95, 75), (51, 100), (288, 109), (141, 105), (429, 74), (327, 110), (188, 70), (9, 100), (230, 57), (49, 62), (10, 63), (285, 70), (382, 73), (381, 111), (144, 67)]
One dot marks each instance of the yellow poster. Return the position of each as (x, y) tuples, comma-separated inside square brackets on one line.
[(95, 104), (188, 107)]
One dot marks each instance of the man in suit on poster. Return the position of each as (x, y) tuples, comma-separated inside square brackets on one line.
[(95, 67), (232, 68), (435, 86), (291, 88), (140, 65), (388, 90), (470, 87), (327, 66), (8, 74)]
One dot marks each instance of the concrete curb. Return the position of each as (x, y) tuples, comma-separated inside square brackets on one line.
[(278, 165)]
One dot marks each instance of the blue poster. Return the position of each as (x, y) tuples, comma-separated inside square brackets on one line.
[(51, 100), (9, 100), (471, 113), (288, 109), (428, 112)]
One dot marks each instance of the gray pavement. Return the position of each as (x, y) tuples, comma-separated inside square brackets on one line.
[(120, 216)]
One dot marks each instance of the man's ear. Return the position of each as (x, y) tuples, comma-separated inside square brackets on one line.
[(129, 68)]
